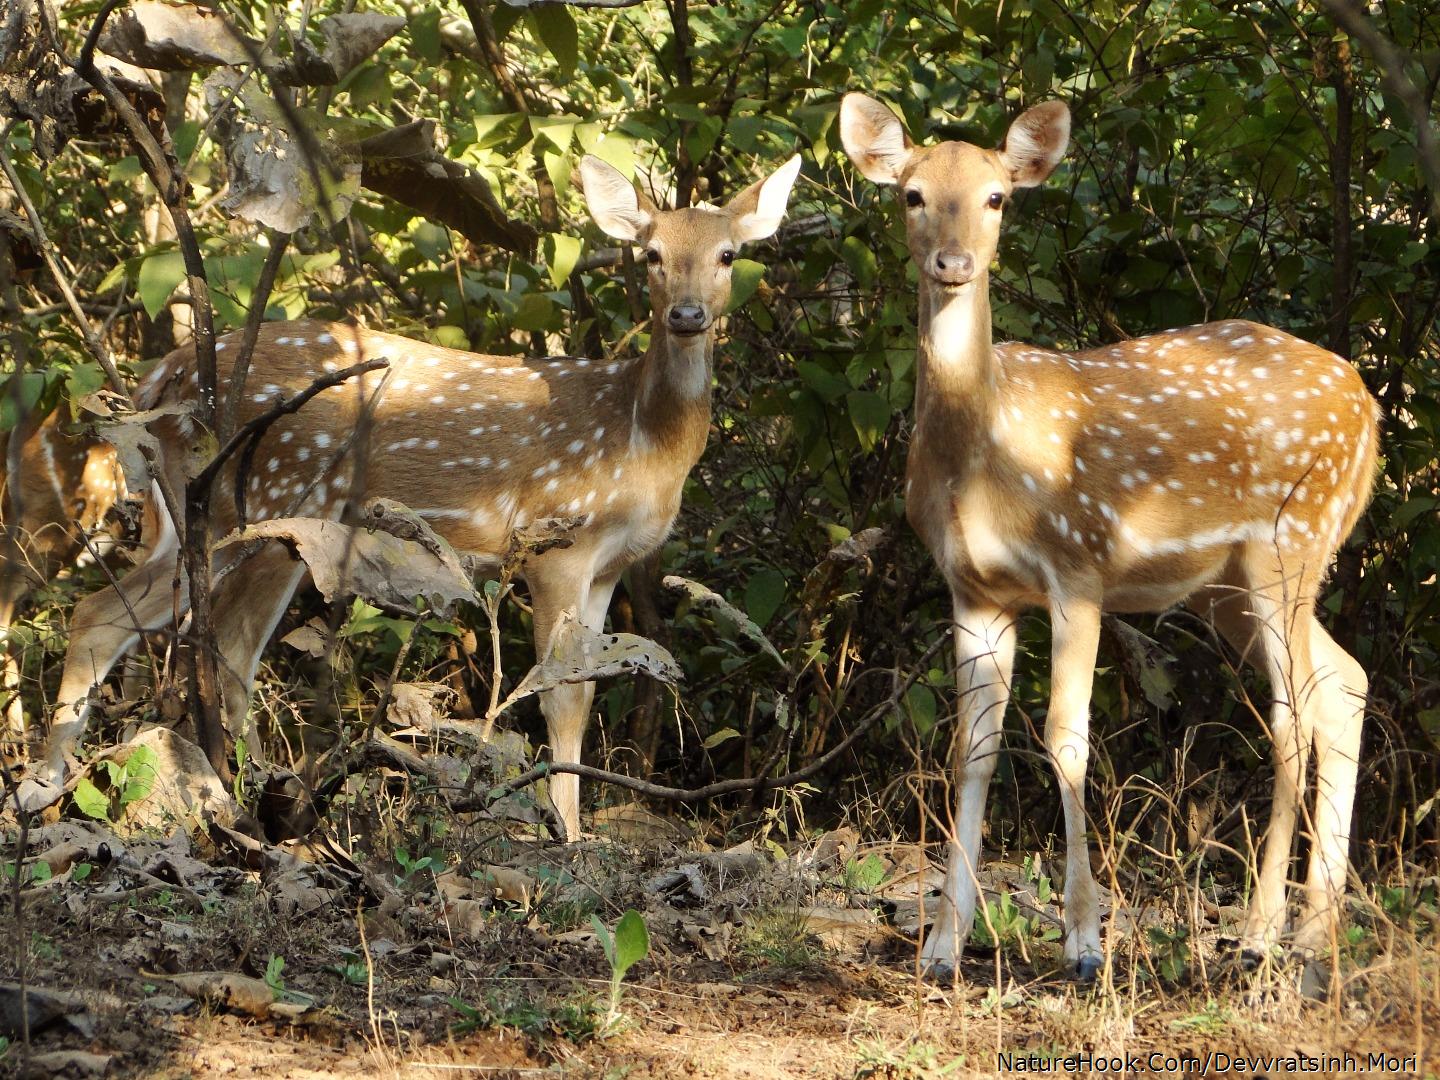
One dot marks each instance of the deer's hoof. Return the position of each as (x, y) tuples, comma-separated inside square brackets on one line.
[(939, 971), (1088, 967)]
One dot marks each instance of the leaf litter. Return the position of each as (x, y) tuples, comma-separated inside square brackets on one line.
[(190, 947)]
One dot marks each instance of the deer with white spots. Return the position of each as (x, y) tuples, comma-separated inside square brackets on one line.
[(1220, 465), (60, 489), (478, 446)]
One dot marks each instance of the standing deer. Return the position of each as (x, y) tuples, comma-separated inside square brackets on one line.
[(477, 445), (61, 488), (1219, 465)]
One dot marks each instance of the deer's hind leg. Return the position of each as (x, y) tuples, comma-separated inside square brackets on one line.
[(1265, 609), (1338, 708)]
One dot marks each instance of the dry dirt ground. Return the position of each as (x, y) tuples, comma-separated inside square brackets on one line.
[(150, 950)]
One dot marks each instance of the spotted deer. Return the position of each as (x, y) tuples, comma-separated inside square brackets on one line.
[(1220, 465), (479, 446), (59, 488)]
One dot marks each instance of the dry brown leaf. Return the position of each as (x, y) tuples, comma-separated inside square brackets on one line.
[(376, 566), (173, 37), (227, 989), (470, 917), (632, 823), (580, 655), (509, 885), (186, 787), (278, 177), (312, 638), (415, 704)]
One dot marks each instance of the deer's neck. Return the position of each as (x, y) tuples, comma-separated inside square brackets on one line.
[(957, 375), (672, 400)]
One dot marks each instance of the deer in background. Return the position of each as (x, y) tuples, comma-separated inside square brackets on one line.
[(1220, 465), (479, 446), (60, 489)]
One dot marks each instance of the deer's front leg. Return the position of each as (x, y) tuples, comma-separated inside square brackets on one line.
[(1075, 638), (984, 655), (567, 708)]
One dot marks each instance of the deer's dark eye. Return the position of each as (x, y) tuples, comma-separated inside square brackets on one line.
[(996, 200), (652, 256), (727, 258), (912, 198)]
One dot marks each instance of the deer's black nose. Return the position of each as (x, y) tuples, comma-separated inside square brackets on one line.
[(686, 318), (954, 267)]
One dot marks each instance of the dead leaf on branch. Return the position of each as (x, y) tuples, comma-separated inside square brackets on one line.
[(129, 435), (174, 37), (376, 566), (349, 39), (404, 164), (581, 655), (278, 177)]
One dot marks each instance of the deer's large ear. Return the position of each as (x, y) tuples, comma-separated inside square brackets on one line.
[(1036, 142), (874, 138), (759, 209), (615, 203)]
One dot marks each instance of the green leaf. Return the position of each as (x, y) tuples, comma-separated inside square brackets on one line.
[(745, 278), (125, 170), (870, 416), (425, 33), (370, 86), (921, 706), (865, 874), (561, 255), (555, 130), (535, 312), (83, 379), (451, 337), (140, 775), (721, 736), (555, 27), (1413, 508), (90, 801), (40, 871), (607, 943), (859, 258), (632, 942), (81, 870), (492, 129), (764, 593), (824, 382), (160, 274), (559, 168), (32, 385)]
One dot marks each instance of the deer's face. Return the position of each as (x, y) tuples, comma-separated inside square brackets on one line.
[(689, 253), (953, 192)]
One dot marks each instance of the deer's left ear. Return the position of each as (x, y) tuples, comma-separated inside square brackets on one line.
[(1036, 142), (759, 209)]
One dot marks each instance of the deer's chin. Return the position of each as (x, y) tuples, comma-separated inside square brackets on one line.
[(951, 286)]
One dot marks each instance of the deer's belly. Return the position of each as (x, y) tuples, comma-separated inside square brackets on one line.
[(1161, 583)]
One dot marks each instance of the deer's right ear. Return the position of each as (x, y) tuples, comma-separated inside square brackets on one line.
[(614, 202), (874, 138)]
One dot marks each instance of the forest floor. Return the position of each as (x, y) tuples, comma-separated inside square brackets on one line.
[(470, 948)]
